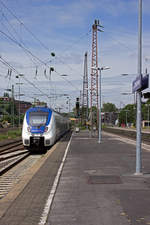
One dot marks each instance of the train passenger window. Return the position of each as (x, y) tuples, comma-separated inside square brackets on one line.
[(38, 118)]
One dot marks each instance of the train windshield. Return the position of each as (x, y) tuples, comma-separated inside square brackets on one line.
[(38, 118)]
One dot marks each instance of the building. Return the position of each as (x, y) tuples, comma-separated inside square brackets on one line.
[(22, 104), (109, 118)]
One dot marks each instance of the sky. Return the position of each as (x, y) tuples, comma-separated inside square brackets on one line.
[(30, 30)]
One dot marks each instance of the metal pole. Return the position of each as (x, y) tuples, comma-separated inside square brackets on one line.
[(19, 105), (87, 108), (148, 116), (19, 101), (99, 129), (138, 122), (68, 104), (13, 105)]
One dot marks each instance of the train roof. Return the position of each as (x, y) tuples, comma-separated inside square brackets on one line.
[(44, 109), (39, 108)]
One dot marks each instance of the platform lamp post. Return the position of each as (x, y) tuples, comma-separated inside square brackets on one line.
[(99, 124), (100, 120), (138, 95)]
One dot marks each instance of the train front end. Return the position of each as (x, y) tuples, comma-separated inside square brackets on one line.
[(38, 131)]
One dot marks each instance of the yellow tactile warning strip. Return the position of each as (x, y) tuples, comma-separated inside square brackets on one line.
[(16, 190)]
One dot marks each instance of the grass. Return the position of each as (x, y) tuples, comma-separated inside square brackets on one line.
[(10, 134)]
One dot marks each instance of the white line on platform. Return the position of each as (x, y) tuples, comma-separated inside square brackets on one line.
[(48, 204), (128, 141)]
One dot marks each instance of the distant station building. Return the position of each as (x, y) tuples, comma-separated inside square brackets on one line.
[(22, 104), (109, 118)]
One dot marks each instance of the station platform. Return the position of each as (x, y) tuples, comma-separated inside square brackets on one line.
[(98, 186)]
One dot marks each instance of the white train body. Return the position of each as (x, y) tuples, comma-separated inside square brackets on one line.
[(42, 127)]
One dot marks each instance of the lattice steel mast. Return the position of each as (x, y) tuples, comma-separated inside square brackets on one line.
[(94, 76)]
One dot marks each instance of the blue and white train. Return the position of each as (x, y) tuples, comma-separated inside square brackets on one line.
[(42, 126)]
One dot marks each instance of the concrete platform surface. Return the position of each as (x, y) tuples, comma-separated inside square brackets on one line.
[(98, 185)]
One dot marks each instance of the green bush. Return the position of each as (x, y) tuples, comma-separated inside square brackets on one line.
[(10, 134), (3, 137)]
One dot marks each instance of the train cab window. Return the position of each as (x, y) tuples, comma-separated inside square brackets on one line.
[(38, 118)]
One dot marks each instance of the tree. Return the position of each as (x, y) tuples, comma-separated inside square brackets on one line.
[(145, 110), (6, 94), (109, 107), (9, 108), (127, 114)]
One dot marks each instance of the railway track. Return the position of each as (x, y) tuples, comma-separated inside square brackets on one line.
[(14, 163), (10, 155), (10, 178), (129, 133)]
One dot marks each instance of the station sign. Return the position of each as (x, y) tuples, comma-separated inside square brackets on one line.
[(137, 84), (140, 83)]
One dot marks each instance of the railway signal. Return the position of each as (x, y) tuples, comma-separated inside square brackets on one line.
[(77, 107)]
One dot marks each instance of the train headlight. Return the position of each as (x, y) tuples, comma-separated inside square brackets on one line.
[(28, 129), (46, 129)]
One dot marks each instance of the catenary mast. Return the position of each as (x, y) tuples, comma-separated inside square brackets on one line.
[(94, 76)]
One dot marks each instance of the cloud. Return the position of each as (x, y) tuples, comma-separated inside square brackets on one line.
[(62, 25)]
